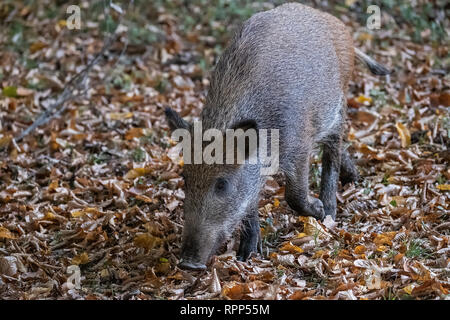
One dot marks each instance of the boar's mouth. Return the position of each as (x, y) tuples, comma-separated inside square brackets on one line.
[(190, 259), (187, 265)]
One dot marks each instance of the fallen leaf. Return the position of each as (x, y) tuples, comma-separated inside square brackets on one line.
[(276, 203), (10, 91), (146, 241), (363, 99), (233, 291), (5, 141), (8, 265), (6, 234), (120, 115), (313, 228), (134, 133), (36, 46), (405, 135), (360, 249), (137, 172), (82, 258), (289, 247), (215, 286)]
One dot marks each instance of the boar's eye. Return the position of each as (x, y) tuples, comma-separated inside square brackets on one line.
[(221, 186), (184, 179)]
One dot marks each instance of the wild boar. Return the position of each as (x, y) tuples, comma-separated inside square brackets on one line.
[(286, 69)]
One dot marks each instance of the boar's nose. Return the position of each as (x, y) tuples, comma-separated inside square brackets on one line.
[(191, 265)]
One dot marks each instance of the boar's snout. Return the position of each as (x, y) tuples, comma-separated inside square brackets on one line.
[(198, 244), (191, 265), (191, 252)]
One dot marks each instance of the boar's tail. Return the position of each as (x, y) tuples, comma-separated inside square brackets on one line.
[(374, 67)]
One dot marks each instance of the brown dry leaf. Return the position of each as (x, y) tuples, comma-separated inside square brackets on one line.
[(313, 228), (146, 241), (360, 249), (168, 175), (343, 287), (77, 213), (163, 266), (276, 203), (370, 151), (134, 133), (177, 276), (137, 172), (364, 100), (405, 135), (144, 198), (126, 98), (300, 295), (24, 92), (81, 258), (444, 187), (6, 234), (120, 115), (384, 238), (444, 99), (283, 259), (8, 266), (5, 140), (233, 290), (363, 36), (53, 185), (409, 288), (289, 247), (428, 287), (36, 46)]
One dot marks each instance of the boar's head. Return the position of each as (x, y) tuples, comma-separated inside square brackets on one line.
[(218, 197)]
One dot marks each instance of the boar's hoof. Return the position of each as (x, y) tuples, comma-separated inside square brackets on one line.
[(245, 251), (191, 266), (315, 209), (348, 177)]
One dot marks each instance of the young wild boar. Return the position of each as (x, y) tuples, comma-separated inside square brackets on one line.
[(286, 69)]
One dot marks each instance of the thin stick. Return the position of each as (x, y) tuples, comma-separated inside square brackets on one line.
[(67, 94), (75, 84)]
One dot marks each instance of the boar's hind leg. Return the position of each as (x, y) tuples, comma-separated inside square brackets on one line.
[(331, 161), (297, 188), (348, 173), (250, 236)]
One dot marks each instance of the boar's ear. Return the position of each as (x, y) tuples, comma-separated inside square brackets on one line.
[(251, 138), (175, 121), (245, 125)]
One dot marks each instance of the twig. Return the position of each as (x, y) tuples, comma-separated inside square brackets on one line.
[(75, 84), (442, 226)]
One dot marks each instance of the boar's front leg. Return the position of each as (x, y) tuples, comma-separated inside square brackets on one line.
[(297, 187), (348, 172), (250, 235), (331, 161)]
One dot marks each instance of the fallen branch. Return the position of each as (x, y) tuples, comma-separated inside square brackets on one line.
[(73, 89)]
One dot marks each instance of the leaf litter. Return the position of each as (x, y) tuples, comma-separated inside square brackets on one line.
[(96, 188)]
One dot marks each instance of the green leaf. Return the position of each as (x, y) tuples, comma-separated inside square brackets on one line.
[(10, 91)]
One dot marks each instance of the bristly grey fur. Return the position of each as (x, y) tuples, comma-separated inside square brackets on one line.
[(286, 69)]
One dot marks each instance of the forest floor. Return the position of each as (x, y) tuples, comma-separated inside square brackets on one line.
[(94, 193)]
